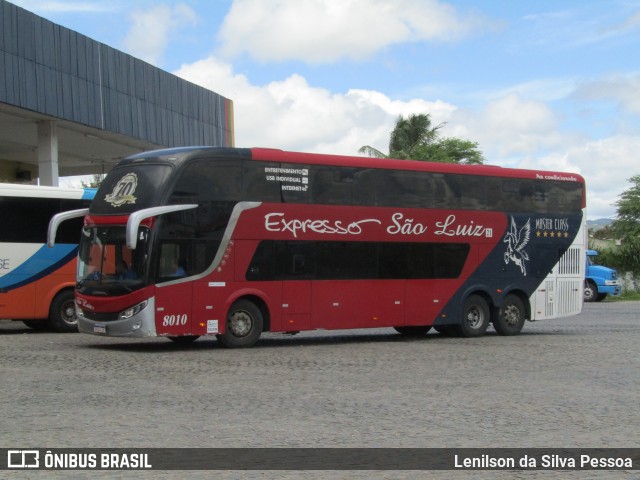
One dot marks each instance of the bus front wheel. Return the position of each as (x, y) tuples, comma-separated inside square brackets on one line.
[(511, 316), (475, 317), (62, 315), (244, 325)]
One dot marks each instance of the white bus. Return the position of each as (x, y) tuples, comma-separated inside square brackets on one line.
[(36, 282)]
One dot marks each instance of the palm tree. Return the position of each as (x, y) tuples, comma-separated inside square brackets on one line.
[(416, 138), (409, 133), (369, 151)]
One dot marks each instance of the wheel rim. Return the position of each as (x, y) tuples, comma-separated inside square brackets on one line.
[(240, 323), (511, 315), (588, 293), (68, 313), (475, 317)]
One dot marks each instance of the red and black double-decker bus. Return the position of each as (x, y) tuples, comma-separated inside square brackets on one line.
[(235, 242)]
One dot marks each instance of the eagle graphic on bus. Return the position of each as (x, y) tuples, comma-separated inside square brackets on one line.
[(517, 240)]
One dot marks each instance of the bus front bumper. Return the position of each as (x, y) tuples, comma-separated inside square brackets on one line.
[(141, 324)]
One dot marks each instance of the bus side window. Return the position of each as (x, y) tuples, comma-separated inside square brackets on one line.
[(408, 189), (257, 185), (333, 186), (301, 192), (446, 191), (474, 195), (298, 264), (364, 186), (493, 191), (295, 260), (263, 262), (562, 196), (171, 263)]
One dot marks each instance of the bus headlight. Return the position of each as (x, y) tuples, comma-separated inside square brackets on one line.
[(130, 312)]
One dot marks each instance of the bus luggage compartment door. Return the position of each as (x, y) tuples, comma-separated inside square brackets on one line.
[(296, 305), (343, 304)]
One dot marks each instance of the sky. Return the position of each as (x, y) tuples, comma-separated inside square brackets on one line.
[(541, 84)]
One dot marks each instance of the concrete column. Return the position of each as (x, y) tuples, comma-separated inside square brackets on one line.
[(48, 153)]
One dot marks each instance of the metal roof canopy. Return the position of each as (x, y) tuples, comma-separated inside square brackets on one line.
[(82, 150), (73, 106)]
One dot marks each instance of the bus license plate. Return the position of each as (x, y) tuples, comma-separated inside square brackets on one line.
[(99, 328)]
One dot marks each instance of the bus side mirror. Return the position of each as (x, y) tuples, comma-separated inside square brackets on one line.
[(57, 219), (137, 217)]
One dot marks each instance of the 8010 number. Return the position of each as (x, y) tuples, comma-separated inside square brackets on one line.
[(174, 320)]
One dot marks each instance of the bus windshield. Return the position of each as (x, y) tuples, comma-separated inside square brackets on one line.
[(106, 266)]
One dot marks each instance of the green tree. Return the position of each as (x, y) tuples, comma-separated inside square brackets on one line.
[(451, 150), (416, 138), (627, 224), (604, 233)]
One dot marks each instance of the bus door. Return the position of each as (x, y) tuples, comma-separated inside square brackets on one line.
[(295, 264), (173, 309), (174, 294), (296, 305)]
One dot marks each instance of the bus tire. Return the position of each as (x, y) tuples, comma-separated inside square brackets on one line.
[(511, 316), (413, 331), (62, 314), (590, 291), (475, 317), (244, 325)]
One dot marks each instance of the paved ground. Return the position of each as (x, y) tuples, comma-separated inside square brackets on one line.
[(571, 382)]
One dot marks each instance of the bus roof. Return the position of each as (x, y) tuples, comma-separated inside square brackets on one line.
[(36, 191), (275, 155), (395, 164)]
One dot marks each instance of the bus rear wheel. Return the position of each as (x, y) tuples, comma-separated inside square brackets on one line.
[(475, 317), (62, 315), (244, 325), (413, 331), (511, 316)]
